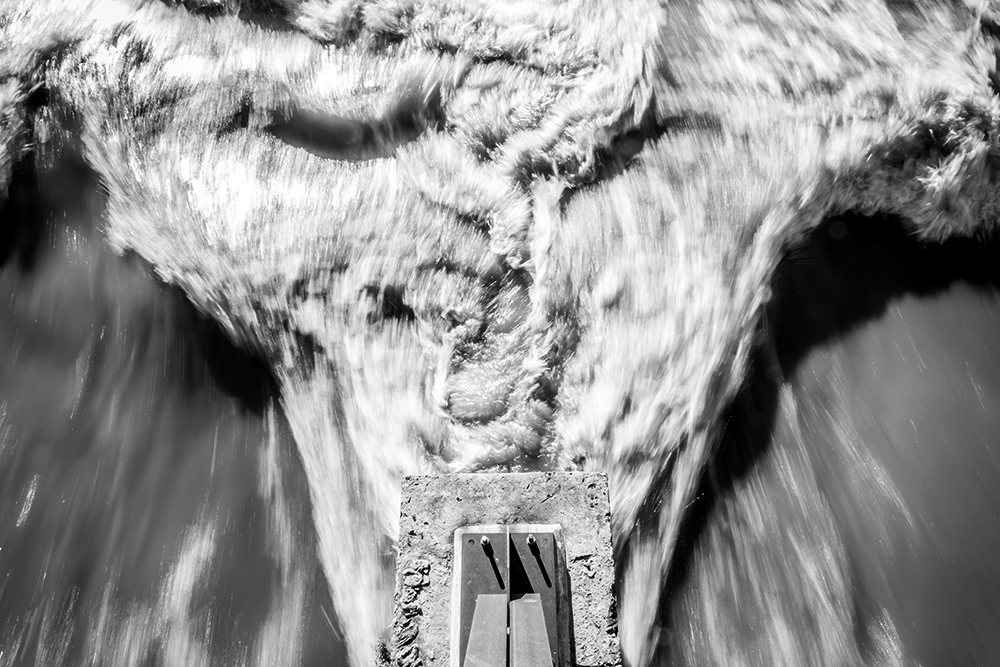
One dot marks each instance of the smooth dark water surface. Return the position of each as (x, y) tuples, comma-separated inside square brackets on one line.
[(152, 507), (853, 515), (918, 395)]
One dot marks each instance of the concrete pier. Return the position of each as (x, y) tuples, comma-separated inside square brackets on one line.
[(434, 507)]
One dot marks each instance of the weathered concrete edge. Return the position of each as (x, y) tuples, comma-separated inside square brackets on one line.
[(422, 620)]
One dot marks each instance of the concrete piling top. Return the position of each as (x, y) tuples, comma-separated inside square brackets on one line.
[(434, 507)]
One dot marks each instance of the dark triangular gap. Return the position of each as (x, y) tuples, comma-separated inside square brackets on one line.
[(844, 274), (162, 336)]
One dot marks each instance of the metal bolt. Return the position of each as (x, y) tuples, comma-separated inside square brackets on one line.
[(485, 541), (531, 540)]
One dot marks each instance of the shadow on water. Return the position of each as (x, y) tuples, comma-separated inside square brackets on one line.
[(153, 509), (347, 139), (855, 489)]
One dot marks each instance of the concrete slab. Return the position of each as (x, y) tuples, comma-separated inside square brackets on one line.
[(434, 507)]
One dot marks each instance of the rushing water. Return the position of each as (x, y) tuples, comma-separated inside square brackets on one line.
[(854, 515), (153, 510)]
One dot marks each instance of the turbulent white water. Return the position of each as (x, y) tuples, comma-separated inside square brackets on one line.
[(158, 509), (252, 273)]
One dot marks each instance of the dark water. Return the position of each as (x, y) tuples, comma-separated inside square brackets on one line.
[(152, 507), (854, 513)]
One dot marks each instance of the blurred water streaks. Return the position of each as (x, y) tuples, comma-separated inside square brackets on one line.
[(851, 515), (430, 304), (152, 507)]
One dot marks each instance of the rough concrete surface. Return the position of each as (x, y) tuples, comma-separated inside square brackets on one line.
[(433, 507)]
